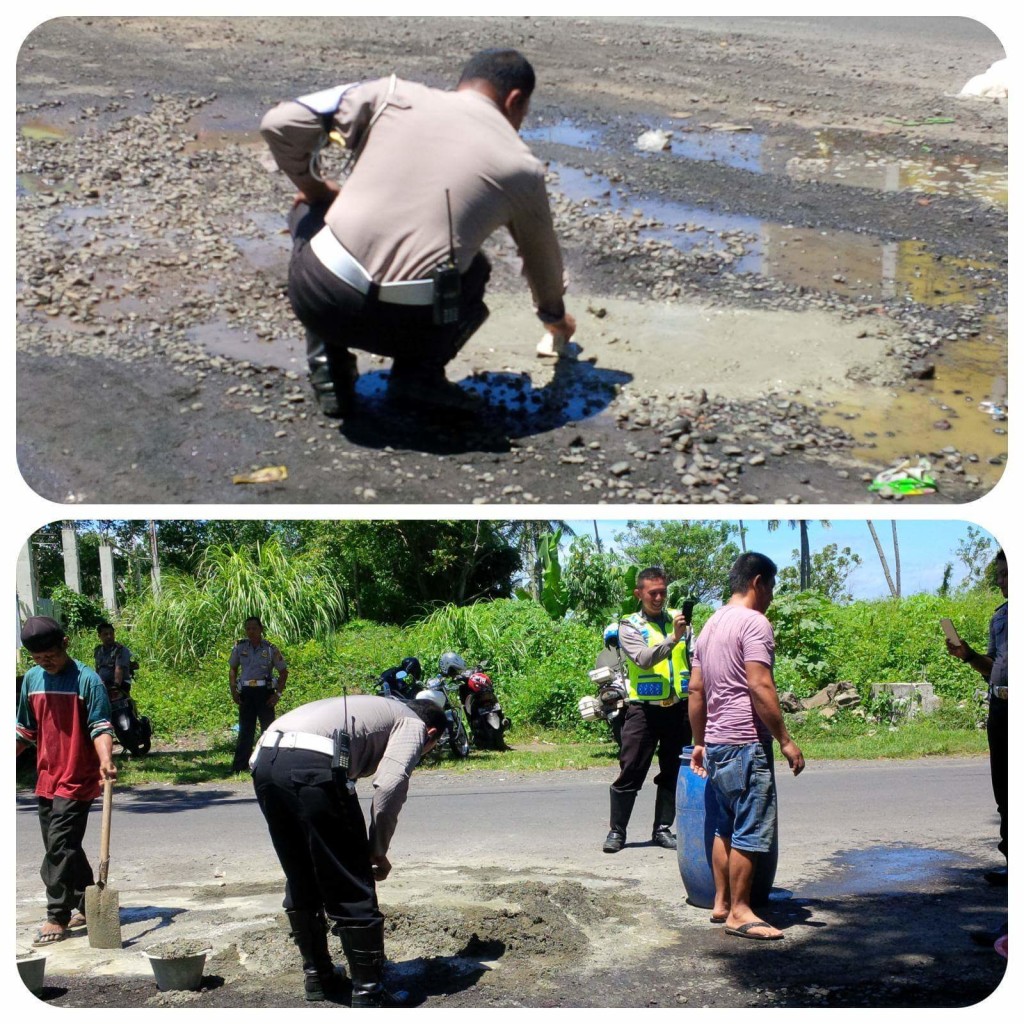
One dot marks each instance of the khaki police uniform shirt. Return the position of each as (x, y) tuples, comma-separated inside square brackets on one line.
[(391, 213), (386, 740), (255, 662)]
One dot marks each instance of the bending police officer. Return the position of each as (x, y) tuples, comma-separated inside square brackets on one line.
[(304, 773), (390, 263)]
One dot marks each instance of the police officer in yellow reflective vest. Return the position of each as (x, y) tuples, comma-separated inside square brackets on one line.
[(653, 641)]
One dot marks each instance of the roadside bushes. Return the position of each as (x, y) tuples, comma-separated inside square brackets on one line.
[(540, 665), (901, 641)]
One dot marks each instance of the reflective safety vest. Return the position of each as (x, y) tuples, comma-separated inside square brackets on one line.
[(670, 677)]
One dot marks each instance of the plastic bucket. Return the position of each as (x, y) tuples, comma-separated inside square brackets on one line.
[(32, 969), (696, 817), (177, 972)]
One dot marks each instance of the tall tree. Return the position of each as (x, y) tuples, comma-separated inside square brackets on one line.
[(699, 553), (830, 570), (393, 570), (973, 552), (805, 546)]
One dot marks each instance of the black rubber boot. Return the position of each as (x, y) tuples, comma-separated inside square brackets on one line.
[(332, 375), (622, 808), (309, 933), (664, 816), (364, 950)]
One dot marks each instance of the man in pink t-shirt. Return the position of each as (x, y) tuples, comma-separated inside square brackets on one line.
[(734, 712)]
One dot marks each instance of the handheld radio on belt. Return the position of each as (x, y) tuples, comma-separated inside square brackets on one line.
[(447, 282), (342, 751)]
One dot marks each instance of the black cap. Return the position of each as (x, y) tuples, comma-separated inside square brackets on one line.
[(41, 633)]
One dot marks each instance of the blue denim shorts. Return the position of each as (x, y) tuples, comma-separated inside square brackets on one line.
[(743, 780)]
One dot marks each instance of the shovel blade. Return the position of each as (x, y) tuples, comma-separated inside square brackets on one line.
[(103, 917)]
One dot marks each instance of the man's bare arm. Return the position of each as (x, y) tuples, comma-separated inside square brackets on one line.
[(698, 710), (765, 699)]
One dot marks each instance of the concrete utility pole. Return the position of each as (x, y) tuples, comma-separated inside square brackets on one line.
[(108, 581), (72, 566), (26, 585), (154, 554)]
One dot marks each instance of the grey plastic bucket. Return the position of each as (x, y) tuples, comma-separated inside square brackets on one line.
[(177, 972), (32, 969)]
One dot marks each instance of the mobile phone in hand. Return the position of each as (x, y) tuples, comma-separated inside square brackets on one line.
[(950, 630)]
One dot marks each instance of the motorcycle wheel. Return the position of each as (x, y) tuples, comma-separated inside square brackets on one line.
[(458, 740)]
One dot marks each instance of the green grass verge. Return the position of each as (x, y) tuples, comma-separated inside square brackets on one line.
[(208, 759)]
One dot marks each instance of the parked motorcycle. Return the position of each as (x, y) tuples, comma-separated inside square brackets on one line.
[(487, 721), (444, 693), (132, 731), (609, 676), (401, 682)]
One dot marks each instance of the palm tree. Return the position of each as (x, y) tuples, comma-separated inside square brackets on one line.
[(894, 588), (805, 546)]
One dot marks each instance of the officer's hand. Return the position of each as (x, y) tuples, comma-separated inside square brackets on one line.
[(236, 697), (679, 625), (697, 762), (273, 699), (565, 328), (381, 867)]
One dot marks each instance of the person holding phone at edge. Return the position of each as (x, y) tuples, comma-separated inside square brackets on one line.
[(993, 667)]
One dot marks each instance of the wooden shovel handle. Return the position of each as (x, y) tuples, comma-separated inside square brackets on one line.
[(108, 792)]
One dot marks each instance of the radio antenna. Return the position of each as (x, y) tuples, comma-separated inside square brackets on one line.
[(451, 229)]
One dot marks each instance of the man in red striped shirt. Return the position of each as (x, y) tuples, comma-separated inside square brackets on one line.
[(64, 712)]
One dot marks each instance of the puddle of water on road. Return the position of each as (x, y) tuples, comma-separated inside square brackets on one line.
[(219, 338), (735, 149), (881, 869), (899, 424), (41, 131), (848, 263), (837, 157), (564, 133), (830, 156), (222, 138)]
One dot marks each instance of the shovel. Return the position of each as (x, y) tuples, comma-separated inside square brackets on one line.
[(102, 907)]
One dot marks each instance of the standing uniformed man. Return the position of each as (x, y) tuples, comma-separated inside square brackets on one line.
[(114, 662), (390, 263), (254, 689), (304, 772), (652, 640)]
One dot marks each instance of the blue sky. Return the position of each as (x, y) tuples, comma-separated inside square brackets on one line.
[(925, 547)]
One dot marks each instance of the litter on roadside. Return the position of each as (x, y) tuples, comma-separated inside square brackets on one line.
[(997, 412), (266, 475), (905, 479)]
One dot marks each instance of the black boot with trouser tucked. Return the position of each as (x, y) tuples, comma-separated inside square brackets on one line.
[(664, 816), (364, 950), (622, 808), (319, 974), (332, 375)]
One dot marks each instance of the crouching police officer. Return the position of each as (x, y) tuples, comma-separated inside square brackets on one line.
[(254, 689), (390, 263), (656, 711), (304, 772)]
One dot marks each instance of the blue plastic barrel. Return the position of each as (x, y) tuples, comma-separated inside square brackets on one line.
[(696, 815)]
